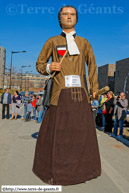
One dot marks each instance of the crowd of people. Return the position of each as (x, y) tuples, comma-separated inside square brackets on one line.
[(108, 109), (33, 108)]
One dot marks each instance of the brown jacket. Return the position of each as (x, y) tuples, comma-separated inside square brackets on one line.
[(71, 65)]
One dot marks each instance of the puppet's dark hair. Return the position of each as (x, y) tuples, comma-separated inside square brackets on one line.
[(61, 11)]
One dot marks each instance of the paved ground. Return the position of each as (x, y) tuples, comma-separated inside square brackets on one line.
[(17, 152)]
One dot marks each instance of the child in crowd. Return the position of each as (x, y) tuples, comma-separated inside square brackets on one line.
[(34, 101), (39, 105), (29, 109)]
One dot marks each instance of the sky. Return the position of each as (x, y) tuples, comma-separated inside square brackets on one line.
[(27, 24)]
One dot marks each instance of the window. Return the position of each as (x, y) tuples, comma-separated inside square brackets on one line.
[(117, 74), (100, 76)]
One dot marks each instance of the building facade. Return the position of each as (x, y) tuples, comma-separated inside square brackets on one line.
[(116, 76), (122, 77), (25, 81), (106, 76), (2, 66)]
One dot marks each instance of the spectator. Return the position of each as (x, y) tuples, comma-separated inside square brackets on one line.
[(26, 98), (39, 108), (6, 102), (29, 109), (121, 104), (34, 101), (99, 107), (94, 106), (110, 109), (99, 113), (16, 101), (102, 104)]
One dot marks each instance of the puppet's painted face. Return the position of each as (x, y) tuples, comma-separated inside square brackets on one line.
[(68, 18)]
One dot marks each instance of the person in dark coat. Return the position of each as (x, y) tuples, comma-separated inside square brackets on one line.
[(6, 102), (16, 101), (110, 109)]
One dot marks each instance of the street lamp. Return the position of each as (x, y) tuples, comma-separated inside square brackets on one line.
[(12, 63), (21, 73)]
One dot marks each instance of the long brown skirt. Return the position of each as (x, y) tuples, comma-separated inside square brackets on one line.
[(67, 148)]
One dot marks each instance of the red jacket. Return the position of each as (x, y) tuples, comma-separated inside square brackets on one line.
[(34, 103)]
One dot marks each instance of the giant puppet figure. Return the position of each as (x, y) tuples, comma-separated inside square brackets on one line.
[(67, 148)]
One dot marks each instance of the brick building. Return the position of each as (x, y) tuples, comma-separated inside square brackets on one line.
[(116, 76), (25, 81), (106, 76), (122, 77)]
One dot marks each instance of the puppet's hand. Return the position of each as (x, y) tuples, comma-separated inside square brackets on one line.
[(55, 66), (94, 93)]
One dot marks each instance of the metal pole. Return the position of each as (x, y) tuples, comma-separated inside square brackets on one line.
[(11, 70), (21, 74), (125, 82), (11, 64), (21, 78), (25, 83), (28, 72)]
